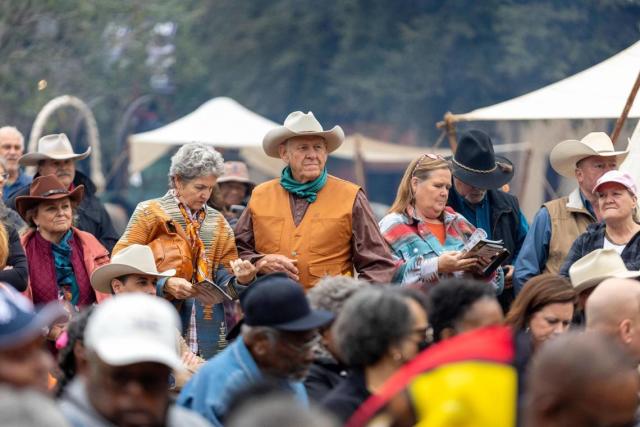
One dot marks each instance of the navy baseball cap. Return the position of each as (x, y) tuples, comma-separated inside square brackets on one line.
[(276, 301), (19, 322)]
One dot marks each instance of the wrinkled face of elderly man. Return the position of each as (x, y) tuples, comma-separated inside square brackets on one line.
[(306, 156), (11, 148), (64, 170)]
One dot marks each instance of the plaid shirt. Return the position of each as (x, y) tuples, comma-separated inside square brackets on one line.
[(416, 249), (593, 239)]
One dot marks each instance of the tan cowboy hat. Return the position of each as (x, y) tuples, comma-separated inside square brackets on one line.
[(134, 259), (52, 147), (236, 172), (47, 187), (301, 124), (597, 266), (566, 154)]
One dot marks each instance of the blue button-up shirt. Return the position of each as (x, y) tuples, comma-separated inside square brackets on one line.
[(10, 189)]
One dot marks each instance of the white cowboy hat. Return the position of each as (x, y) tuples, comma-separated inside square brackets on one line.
[(566, 154), (301, 124), (52, 147), (134, 259), (597, 266)]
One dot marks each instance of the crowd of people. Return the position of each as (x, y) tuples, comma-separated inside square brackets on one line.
[(287, 303)]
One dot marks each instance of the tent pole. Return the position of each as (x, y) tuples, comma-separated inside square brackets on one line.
[(358, 163), (625, 111), (450, 126)]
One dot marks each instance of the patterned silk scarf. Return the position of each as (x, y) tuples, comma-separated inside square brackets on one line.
[(197, 245)]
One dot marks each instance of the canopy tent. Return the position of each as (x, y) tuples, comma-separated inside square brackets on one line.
[(596, 93), (220, 122)]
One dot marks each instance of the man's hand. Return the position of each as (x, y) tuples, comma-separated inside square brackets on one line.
[(508, 276), (449, 262), (179, 288), (275, 262), (244, 271)]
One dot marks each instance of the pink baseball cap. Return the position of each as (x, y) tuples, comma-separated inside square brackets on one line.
[(619, 177)]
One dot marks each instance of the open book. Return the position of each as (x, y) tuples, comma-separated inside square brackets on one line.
[(491, 253), (209, 292)]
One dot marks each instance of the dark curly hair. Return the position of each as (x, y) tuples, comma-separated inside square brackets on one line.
[(450, 300), (66, 355)]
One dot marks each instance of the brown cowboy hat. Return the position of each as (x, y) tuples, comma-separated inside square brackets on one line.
[(43, 188)]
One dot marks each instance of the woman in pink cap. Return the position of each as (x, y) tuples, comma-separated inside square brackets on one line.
[(618, 227)]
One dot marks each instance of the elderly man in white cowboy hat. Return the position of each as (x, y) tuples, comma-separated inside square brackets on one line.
[(478, 174), (55, 156), (308, 223), (133, 270), (559, 222)]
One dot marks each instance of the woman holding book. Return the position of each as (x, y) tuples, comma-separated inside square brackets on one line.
[(618, 228), (425, 236), (186, 234)]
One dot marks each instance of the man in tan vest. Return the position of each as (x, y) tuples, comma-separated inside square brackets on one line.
[(559, 222), (308, 223)]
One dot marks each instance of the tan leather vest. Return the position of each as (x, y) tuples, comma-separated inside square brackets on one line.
[(321, 243), (569, 219)]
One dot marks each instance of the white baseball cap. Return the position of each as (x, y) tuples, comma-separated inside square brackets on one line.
[(134, 328)]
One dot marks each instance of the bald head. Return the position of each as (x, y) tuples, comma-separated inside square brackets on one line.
[(614, 309)]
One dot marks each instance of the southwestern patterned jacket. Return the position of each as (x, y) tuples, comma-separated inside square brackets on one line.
[(416, 249)]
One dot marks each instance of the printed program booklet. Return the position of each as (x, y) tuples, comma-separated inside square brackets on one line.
[(491, 253)]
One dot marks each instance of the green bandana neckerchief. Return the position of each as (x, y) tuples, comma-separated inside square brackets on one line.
[(307, 190)]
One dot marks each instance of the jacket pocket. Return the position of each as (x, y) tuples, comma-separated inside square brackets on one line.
[(329, 236), (172, 251), (267, 232), (322, 270)]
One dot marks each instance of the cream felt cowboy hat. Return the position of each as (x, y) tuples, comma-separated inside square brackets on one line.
[(597, 266), (301, 124), (566, 154), (52, 147), (134, 259)]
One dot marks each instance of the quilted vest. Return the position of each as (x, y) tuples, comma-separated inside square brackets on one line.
[(321, 243)]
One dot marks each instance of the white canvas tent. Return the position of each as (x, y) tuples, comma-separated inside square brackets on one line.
[(221, 122), (598, 92)]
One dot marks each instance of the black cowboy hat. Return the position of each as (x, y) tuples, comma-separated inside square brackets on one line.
[(475, 163)]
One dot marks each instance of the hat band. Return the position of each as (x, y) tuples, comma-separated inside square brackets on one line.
[(52, 192), (495, 166)]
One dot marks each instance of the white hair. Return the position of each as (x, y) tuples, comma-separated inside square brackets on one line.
[(11, 130), (193, 161)]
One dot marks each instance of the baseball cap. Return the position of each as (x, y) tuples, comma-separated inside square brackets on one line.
[(279, 302), (20, 322), (134, 328), (622, 178)]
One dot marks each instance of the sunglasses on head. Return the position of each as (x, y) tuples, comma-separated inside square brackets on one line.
[(427, 156)]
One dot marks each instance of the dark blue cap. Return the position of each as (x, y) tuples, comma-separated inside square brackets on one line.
[(276, 301), (19, 322)]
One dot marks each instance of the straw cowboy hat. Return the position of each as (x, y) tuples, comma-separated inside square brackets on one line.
[(52, 147), (47, 187), (301, 124), (475, 163), (134, 259), (566, 154), (236, 172), (597, 266)]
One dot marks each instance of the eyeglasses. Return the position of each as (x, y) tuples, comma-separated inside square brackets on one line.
[(4, 176), (427, 156), (300, 348)]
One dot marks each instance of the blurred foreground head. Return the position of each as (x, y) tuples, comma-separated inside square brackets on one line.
[(582, 379)]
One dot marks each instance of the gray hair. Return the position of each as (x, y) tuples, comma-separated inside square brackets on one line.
[(194, 161), (11, 130), (278, 410), (331, 293), (370, 323)]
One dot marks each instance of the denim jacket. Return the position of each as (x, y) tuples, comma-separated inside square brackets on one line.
[(213, 387)]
